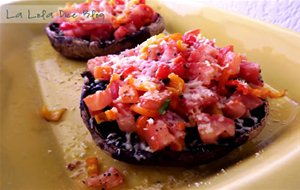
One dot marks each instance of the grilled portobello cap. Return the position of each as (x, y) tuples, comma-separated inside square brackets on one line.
[(77, 48), (129, 148)]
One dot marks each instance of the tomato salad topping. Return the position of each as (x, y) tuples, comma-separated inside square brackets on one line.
[(171, 82), (104, 19)]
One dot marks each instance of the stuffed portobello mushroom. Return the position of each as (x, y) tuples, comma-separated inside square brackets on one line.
[(102, 27), (174, 100)]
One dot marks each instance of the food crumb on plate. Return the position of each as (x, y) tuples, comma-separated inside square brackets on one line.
[(223, 171)]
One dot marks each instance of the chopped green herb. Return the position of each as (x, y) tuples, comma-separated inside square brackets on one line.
[(162, 110)]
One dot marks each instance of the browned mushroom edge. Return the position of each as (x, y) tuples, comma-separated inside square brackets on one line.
[(81, 49)]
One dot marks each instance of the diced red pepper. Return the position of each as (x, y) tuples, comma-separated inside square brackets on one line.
[(92, 166), (103, 72), (137, 108), (110, 179), (176, 82), (52, 115), (260, 92)]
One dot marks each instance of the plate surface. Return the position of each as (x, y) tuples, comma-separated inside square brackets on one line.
[(34, 153)]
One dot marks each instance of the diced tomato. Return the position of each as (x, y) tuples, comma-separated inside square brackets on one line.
[(217, 126), (234, 109), (128, 71), (125, 120), (88, 26), (130, 17), (66, 26), (69, 33), (103, 32), (169, 51), (163, 71), (203, 71), (196, 95), (251, 102), (141, 122), (239, 104), (126, 123), (232, 62), (211, 53), (78, 32), (190, 36), (83, 6), (154, 52), (114, 89), (131, 28), (121, 2), (150, 103), (95, 3), (157, 135), (240, 86), (251, 73), (178, 66), (178, 144), (226, 49), (99, 100), (213, 109), (176, 127), (196, 55), (120, 33), (128, 94), (103, 72), (109, 179), (97, 61), (205, 85), (174, 102), (137, 108), (153, 100), (223, 52), (141, 15)]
